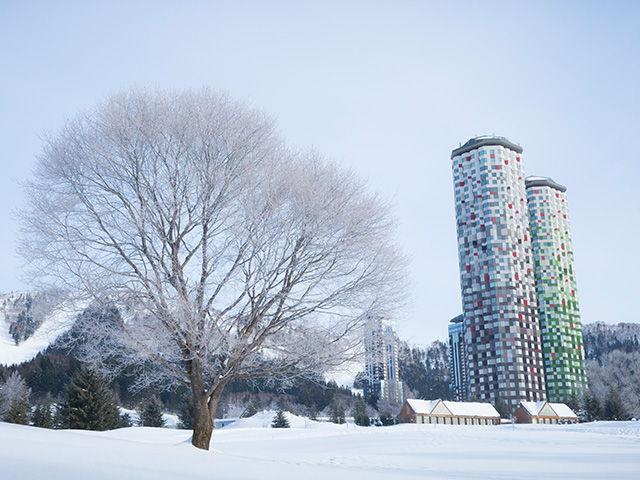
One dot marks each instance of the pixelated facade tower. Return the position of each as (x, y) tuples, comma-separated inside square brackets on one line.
[(502, 333), (562, 344)]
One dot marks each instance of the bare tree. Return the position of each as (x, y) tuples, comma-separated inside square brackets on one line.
[(221, 253), (618, 370)]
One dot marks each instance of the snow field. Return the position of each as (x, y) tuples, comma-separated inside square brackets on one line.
[(311, 450)]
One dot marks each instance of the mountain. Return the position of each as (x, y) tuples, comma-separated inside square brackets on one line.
[(601, 338), (613, 362), (424, 370), (31, 321)]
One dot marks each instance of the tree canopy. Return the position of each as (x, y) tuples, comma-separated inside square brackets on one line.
[(217, 251)]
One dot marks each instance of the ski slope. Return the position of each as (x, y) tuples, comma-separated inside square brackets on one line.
[(250, 450), (55, 324)]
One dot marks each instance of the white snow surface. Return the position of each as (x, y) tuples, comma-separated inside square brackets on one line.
[(311, 450), (533, 407), (422, 406), (55, 324), (563, 410), (171, 420)]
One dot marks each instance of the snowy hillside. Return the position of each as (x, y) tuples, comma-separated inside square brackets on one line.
[(309, 450), (601, 338), (54, 320)]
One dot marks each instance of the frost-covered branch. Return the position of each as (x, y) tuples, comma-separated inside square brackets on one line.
[(216, 251)]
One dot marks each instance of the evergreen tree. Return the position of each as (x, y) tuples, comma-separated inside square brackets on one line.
[(37, 415), (576, 403), (44, 413), (613, 406), (254, 406), (336, 411), (360, 415), (502, 408), (185, 413), (425, 370), (280, 420), (14, 401), (19, 411), (250, 411), (360, 380), (386, 418), (151, 415), (89, 404), (57, 414), (126, 421), (573, 403), (373, 400), (592, 408), (313, 412)]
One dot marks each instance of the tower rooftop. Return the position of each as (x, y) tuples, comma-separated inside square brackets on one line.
[(532, 181), (485, 140)]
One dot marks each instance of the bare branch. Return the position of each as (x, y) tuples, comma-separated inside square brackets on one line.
[(217, 252)]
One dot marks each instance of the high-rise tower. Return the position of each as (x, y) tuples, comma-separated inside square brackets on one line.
[(459, 389), (496, 272), (381, 360), (556, 289)]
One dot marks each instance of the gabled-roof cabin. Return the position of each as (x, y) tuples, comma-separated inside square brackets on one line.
[(449, 413), (544, 412)]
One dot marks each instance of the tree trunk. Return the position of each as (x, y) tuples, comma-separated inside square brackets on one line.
[(202, 419), (204, 408)]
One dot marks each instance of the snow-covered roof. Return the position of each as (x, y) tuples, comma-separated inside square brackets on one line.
[(563, 410), (471, 409), (560, 409), (461, 409), (533, 407), (422, 406)]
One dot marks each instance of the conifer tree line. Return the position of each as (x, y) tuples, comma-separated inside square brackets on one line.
[(88, 403), (44, 392)]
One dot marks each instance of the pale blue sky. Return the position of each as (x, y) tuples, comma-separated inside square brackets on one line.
[(388, 88)]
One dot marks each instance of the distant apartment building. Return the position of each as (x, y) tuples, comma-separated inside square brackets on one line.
[(501, 328), (381, 360), (458, 360), (562, 345)]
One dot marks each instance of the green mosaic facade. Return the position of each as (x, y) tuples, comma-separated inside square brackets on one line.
[(559, 316)]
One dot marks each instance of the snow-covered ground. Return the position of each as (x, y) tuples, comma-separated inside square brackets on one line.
[(249, 449)]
